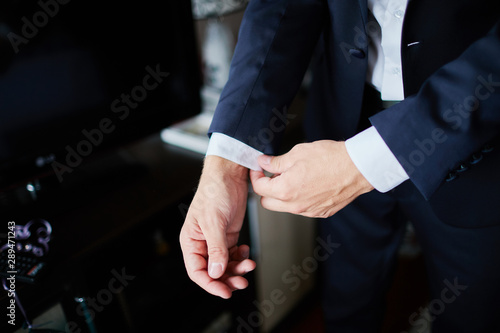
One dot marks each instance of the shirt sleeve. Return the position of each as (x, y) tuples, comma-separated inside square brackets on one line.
[(375, 161), (236, 151)]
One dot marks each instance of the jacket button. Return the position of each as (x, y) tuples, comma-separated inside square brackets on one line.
[(462, 168), (358, 53), (476, 158), (487, 148), (451, 176)]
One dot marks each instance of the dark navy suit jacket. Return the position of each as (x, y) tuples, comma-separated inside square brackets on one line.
[(444, 133)]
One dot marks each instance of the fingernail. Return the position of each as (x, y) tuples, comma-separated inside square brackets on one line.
[(245, 253), (264, 159), (215, 270)]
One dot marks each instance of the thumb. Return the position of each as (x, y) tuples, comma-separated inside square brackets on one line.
[(218, 254), (273, 164)]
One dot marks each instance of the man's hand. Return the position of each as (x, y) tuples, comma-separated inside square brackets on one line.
[(313, 179), (210, 232)]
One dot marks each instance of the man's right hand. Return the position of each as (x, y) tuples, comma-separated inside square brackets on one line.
[(210, 232)]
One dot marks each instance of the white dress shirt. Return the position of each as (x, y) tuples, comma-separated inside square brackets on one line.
[(367, 149)]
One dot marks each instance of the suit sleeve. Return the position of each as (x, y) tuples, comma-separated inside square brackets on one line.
[(455, 112), (275, 44)]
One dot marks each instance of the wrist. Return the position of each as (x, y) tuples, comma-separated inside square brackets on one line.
[(219, 166)]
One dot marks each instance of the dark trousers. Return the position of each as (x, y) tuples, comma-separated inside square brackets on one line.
[(463, 265)]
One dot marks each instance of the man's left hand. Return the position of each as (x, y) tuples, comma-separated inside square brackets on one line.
[(313, 179)]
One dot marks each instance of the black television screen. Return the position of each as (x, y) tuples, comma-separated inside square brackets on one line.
[(80, 76)]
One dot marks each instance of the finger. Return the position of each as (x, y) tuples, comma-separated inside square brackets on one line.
[(217, 250), (262, 185), (214, 287), (239, 268), (274, 164), (239, 253), (321, 212), (194, 253), (276, 205), (243, 252), (235, 282), (256, 174), (196, 267)]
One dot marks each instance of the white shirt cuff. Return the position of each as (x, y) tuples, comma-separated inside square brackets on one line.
[(236, 151), (375, 161)]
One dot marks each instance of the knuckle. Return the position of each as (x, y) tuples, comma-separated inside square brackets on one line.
[(285, 192), (298, 147), (190, 275), (283, 196), (300, 210), (277, 162), (184, 236), (216, 251)]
